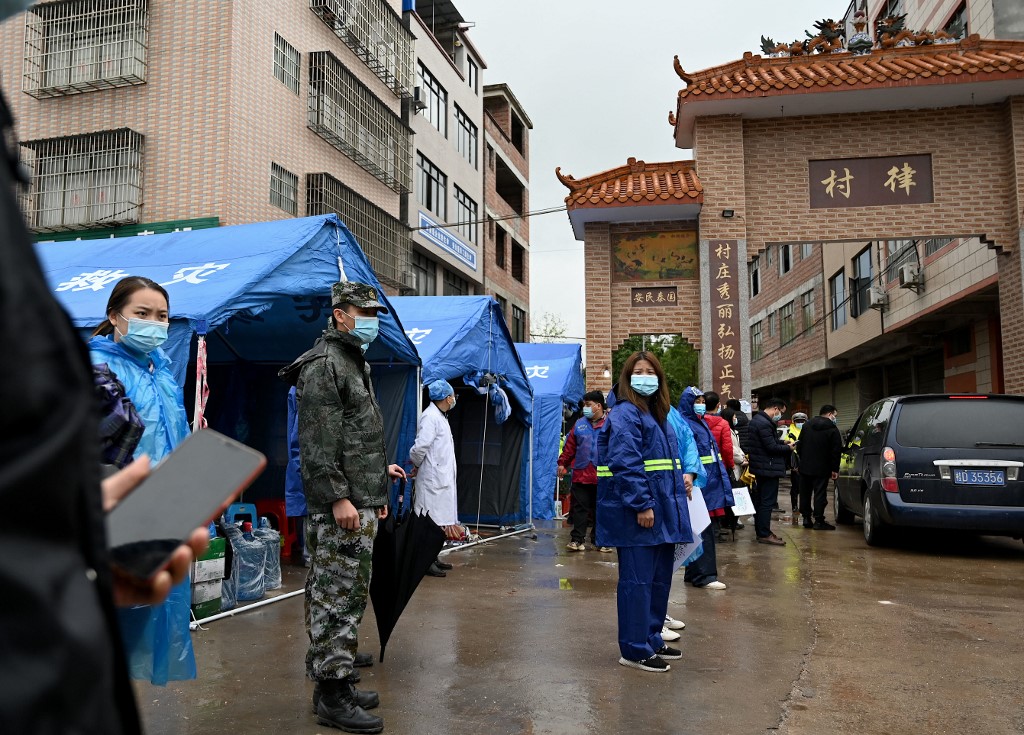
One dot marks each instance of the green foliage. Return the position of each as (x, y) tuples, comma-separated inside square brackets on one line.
[(680, 360)]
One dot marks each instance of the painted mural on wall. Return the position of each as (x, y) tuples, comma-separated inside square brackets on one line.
[(654, 256)]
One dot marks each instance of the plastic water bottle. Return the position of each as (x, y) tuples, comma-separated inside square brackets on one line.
[(264, 523), (247, 531)]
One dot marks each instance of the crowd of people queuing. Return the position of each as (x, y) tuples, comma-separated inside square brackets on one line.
[(635, 460)]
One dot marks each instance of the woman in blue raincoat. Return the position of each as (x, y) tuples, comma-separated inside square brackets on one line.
[(128, 342), (641, 507), (703, 571)]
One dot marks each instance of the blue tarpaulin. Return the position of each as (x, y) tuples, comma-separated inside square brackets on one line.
[(457, 337), (261, 292), (556, 374)]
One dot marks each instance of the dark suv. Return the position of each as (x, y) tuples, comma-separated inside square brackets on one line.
[(935, 461)]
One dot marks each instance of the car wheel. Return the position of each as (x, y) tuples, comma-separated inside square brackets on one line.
[(875, 530), (844, 516)]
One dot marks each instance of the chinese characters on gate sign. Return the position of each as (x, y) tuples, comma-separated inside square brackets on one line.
[(866, 182), (654, 296), (725, 356)]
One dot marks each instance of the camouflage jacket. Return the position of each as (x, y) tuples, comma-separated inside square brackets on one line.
[(341, 430)]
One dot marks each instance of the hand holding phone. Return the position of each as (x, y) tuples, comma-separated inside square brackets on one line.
[(193, 485)]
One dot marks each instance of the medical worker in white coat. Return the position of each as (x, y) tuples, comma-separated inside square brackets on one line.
[(433, 454)]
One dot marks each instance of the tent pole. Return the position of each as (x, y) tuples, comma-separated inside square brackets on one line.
[(531, 473), (483, 446), (527, 529)]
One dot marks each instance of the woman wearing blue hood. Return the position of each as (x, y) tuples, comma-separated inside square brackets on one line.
[(641, 507), (703, 572), (128, 342)]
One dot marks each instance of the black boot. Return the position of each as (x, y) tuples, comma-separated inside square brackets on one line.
[(363, 660), (364, 699)]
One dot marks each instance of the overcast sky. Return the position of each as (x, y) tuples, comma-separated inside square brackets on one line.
[(597, 81)]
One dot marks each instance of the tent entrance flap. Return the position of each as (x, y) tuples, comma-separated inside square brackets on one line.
[(489, 462)]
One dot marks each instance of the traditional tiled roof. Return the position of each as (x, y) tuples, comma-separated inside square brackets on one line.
[(635, 183), (972, 59)]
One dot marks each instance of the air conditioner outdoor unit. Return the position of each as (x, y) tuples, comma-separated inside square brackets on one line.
[(417, 99), (911, 277), (878, 297)]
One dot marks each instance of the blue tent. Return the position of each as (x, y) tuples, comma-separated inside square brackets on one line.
[(556, 374), (458, 339), (261, 294)]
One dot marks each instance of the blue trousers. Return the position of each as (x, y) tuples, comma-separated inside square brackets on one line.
[(645, 577)]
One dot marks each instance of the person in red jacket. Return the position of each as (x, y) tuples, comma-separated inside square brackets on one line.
[(580, 455)]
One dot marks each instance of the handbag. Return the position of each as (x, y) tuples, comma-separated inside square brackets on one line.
[(746, 477), (744, 506)]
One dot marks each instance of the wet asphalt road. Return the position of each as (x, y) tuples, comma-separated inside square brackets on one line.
[(825, 635)]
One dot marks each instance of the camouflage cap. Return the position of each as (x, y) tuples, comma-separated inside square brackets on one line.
[(358, 294)]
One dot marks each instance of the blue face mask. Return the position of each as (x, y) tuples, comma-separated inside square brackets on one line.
[(588, 412), (143, 335), (700, 409), (645, 385), (366, 329)]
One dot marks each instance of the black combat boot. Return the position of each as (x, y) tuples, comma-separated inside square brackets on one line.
[(364, 700)]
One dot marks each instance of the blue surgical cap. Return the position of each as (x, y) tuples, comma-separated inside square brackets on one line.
[(440, 389)]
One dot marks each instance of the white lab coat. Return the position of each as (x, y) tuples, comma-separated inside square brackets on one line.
[(434, 454)]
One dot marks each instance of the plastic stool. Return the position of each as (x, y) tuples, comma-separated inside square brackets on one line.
[(274, 510), (243, 512)]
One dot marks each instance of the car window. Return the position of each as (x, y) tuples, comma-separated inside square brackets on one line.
[(878, 422), (952, 423), (862, 432)]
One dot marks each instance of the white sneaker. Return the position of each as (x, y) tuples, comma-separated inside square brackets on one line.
[(672, 624), (669, 635), (716, 585)]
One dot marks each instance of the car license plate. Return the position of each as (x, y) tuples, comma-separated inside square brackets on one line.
[(978, 477)]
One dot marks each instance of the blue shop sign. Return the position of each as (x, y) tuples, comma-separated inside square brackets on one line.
[(446, 241)]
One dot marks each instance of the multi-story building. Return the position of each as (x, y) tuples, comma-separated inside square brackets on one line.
[(141, 116), (506, 201), (447, 209), (988, 18)]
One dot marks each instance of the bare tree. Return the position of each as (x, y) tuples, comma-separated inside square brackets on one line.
[(547, 327)]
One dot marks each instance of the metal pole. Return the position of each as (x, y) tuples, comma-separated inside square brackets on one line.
[(195, 624), (526, 529)]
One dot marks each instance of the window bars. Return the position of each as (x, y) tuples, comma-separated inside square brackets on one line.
[(376, 35), (84, 181), (84, 45), (384, 239), (346, 114), (286, 63), (284, 189)]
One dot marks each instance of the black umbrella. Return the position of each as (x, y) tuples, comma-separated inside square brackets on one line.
[(406, 545)]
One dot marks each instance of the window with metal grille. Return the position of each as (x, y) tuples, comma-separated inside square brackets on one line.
[(518, 262), (284, 189), (432, 187), (84, 45), (785, 259), (466, 136), (473, 75), (837, 291), (374, 32), (383, 238), (899, 252), (518, 324), (286, 63), (807, 309), (435, 97), (787, 323), (84, 181), (455, 285), (755, 276), (345, 113), (425, 271), (756, 346), (502, 304), (935, 244)]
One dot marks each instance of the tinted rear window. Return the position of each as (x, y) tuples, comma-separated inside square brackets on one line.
[(960, 423)]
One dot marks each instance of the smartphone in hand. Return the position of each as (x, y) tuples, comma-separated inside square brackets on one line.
[(189, 488)]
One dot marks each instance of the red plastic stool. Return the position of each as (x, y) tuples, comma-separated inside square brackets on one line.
[(274, 510)]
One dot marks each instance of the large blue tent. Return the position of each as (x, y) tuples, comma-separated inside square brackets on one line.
[(261, 295), (556, 374), (458, 339)]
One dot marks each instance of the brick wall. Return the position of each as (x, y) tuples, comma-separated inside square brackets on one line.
[(213, 115), (611, 317)]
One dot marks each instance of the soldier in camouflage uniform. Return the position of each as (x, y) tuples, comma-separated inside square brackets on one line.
[(345, 475)]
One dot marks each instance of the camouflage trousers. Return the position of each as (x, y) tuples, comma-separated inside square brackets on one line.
[(337, 588)]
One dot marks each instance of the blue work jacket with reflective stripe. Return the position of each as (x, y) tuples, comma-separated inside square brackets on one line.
[(687, 448), (638, 469), (718, 490)]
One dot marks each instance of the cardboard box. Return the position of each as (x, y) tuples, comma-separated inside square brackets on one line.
[(206, 609), (205, 591), (207, 570), (216, 549)]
